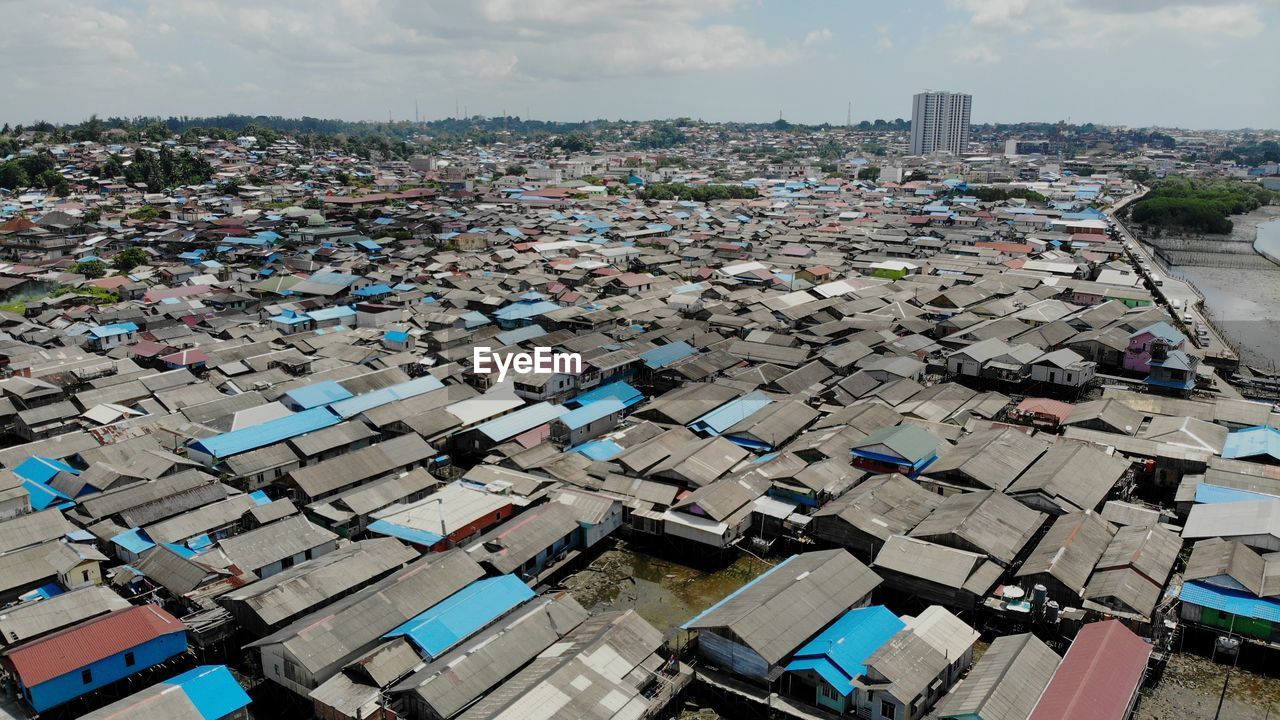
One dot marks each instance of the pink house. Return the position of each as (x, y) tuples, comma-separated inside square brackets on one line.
[(1137, 357)]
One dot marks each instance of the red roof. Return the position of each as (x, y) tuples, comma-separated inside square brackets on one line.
[(90, 641), (1099, 676)]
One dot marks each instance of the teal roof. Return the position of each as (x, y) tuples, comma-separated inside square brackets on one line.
[(911, 442)]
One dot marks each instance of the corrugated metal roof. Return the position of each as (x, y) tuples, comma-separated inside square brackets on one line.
[(522, 420), (91, 641), (1098, 677), (840, 652), (731, 413), (1235, 602), (267, 433), (455, 618)]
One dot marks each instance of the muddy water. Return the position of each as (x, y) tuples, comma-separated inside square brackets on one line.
[(663, 592)]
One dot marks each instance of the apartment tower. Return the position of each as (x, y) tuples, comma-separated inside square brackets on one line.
[(940, 122)]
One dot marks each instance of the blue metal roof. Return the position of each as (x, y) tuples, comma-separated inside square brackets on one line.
[(522, 420), (840, 652), (135, 541), (317, 394), (519, 335), (663, 356), (212, 689), (42, 496), (1207, 494), (408, 534), (1236, 602), (620, 391), (337, 312), (522, 310), (591, 412), (267, 433), (600, 450), (455, 618), (42, 469), (259, 497), (731, 413), (1251, 442), (377, 398), (373, 290), (397, 336), (103, 331)]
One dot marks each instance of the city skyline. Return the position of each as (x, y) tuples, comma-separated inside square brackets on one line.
[(718, 61)]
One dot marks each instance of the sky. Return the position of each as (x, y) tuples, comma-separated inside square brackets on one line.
[(1194, 64)]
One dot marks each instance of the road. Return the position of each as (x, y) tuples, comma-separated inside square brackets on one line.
[(1170, 290)]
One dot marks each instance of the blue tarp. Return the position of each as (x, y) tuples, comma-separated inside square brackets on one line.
[(259, 497), (455, 618)]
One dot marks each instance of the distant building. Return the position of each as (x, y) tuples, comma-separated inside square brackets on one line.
[(940, 122)]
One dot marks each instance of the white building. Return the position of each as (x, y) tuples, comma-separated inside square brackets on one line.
[(940, 122)]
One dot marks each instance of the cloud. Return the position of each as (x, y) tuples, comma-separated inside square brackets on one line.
[(817, 37), (1061, 24)]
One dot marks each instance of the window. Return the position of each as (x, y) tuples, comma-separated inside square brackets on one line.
[(129, 659), (888, 709), (86, 676), (84, 574), (829, 692)]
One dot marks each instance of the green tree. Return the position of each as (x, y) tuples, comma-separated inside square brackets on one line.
[(129, 259), (869, 172), (13, 176), (515, 170), (90, 268)]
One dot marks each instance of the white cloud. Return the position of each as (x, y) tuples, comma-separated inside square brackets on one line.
[(817, 37)]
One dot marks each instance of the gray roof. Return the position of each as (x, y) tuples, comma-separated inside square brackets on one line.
[(120, 499), (1216, 557), (882, 506), (33, 528), (258, 548), (1077, 476), (949, 567), (20, 623), (780, 610), (326, 639), (596, 674), (911, 442), (458, 678), (509, 546), (363, 464), (991, 458), (201, 520), (990, 521), (311, 584), (1071, 549), (1005, 684)]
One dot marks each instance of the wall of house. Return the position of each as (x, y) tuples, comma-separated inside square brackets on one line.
[(732, 656), (278, 667), (286, 563), (106, 671)]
